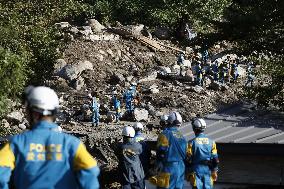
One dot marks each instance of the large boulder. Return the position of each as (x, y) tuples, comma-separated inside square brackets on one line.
[(151, 76), (72, 71), (15, 116), (141, 114), (59, 64), (136, 30), (95, 25), (241, 71), (79, 83)]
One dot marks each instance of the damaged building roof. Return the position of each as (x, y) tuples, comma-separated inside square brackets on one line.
[(242, 123)]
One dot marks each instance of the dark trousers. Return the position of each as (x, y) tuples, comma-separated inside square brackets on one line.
[(137, 185)]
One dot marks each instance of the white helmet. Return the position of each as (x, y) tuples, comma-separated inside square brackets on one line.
[(128, 131), (164, 118), (175, 118), (198, 124), (138, 126), (42, 99)]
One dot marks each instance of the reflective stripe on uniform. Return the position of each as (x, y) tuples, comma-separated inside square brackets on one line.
[(82, 159), (163, 141), (7, 157)]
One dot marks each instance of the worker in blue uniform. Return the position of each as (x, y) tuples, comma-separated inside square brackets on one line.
[(116, 105), (171, 154), (235, 73), (130, 167), (44, 157), (95, 107), (180, 62), (202, 158), (250, 77), (215, 69), (205, 53), (128, 97), (146, 152), (199, 74)]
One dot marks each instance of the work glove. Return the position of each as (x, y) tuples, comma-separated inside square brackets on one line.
[(214, 175)]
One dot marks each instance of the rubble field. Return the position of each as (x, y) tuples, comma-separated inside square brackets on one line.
[(99, 64)]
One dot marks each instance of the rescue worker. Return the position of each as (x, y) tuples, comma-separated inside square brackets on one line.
[(235, 73), (130, 167), (215, 70), (128, 97), (205, 53), (116, 105), (202, 158), (95, 106), (223, 72), (44, 157), (199, 74), (180, 62), (146, 152), (171, 154), (250, 76)]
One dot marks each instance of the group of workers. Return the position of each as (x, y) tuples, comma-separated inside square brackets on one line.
[(45, 157), (219, 70), (130, 97), (177, 160)]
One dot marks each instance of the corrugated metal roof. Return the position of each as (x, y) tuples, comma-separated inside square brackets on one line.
[(241, 123)]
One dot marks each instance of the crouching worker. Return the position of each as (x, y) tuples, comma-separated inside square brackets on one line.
[(202, 158), (130, 167), (171, 154), (44, 157)]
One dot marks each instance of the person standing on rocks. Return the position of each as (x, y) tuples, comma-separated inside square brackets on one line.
[(95, 106), (146, 152), (44, 157), (130, 167), (171, 154), (202, 158), (128, 97), (180, 62), (116, 105)]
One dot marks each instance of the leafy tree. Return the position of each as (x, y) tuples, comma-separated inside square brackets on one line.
[(258, 26)]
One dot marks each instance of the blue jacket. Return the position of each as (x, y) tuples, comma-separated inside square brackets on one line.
[(44, 158), (202, 154), (95, 104), (172, 145)]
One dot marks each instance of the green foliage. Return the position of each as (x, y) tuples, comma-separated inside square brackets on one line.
[(257, 26), (29, 42)]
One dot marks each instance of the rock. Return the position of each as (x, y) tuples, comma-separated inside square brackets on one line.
[(102, 52), (189, 50), (117, 78), (241, 71), (162, 32), (72, 71), (5, 124), (95, 25), (109, 51), (74, 30), (16, 116), (163, 70), (62, 25), (129, 78), (141, 114), (225, 87), (152, 76), (151, 109), (207, 81), (22, 126), (146, 33), (154, 89), (87, 30), (216, 86), (136, 30), (197, 89), (79, 83), (59, 64)]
